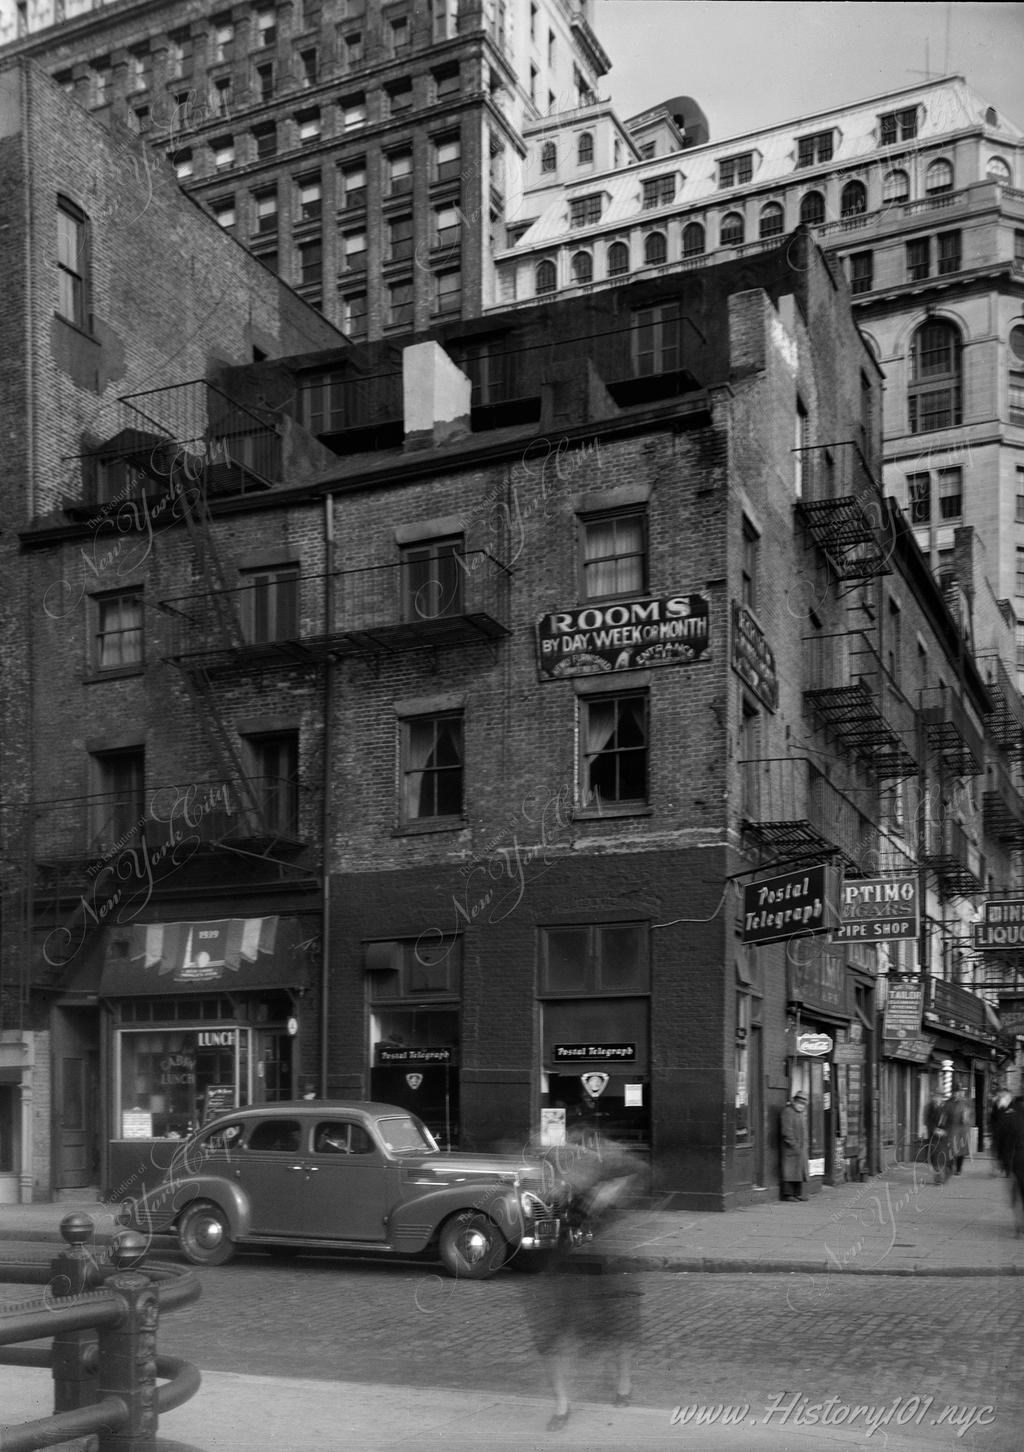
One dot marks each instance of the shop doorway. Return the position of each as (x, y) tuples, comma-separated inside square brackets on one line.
[(75, 1099)]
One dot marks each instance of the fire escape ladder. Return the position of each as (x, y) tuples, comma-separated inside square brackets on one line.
[(197, 521), (218, 738)]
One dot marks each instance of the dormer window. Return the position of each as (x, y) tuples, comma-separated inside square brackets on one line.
[(585, 211), (734, 171), (896, 126), (659, 191), (812, 150)]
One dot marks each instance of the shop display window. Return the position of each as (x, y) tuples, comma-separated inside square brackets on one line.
[(174, 1079)]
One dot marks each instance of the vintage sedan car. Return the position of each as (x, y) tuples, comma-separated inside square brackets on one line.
[(354, 1176)]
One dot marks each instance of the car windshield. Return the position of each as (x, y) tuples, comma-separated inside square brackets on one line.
[(404, 1135)]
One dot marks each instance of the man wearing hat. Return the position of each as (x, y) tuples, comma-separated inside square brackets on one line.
[(793, 1133)]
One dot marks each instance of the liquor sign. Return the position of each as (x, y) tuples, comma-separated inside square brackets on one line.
[(793, 905), (874, 909), (904, 1006), (1012, 1020), (627, 635), (1003, 928), (753, 658)]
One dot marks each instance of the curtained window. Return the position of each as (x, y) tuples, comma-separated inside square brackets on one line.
[(432, 767), (614, 739)]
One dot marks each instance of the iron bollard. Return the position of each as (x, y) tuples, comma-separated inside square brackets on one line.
[(127, 1362), (74, 1352)]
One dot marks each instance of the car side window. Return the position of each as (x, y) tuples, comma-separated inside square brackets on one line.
[(283, 1136), (339, 1137)]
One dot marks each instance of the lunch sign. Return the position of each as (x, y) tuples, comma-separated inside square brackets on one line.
[(626, 635)]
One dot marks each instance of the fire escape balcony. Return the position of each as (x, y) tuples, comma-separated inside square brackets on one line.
[(791, 810), (953, 731), (849, 692), (457, 599), (1006, 723), (956, 862), (1002, 806), (842, 508), (951, 1005)]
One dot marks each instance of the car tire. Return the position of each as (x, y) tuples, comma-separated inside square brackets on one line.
[(204, 1236), (471, 1246)]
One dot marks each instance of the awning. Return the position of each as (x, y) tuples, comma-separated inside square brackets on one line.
[(214, 955)]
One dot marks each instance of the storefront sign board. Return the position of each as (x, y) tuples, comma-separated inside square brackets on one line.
[(916, 1050), (625, 635), (391, 1054), (904, 1006), (602, 1053), (793, 905), (877, 909)]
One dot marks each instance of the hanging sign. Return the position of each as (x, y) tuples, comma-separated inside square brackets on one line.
[(814, 1045), (753, 658), (1003, 927), (875, 909), (627, 635), (904, 1005), (791, 906)]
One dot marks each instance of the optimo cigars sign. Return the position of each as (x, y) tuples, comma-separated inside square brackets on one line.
[(877, 908), (626, 635), (791, 906)]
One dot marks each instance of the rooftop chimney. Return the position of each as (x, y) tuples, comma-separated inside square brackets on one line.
[(435, 397)]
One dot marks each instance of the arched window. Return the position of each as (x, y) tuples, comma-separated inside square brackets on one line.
[(895, 186), (618, 259), (938, 177), (854, 199), (812, 209), (655, 249), (773, 220), (585, 149), (731, 231), (934, 392), (582, 267), (1016, 380), (997, 170), (693, 240), (549, 156), (547, 278)]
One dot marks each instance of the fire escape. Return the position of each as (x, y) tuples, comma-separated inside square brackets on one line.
[(843, 512)]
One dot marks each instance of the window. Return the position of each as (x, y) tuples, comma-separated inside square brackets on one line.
[(399, 172), (72, 264), (935, 377), (400, 304), (275, 762), (432, 767), (447, 83), (582, 268), (693, 240), (119, 801), (614, 554), (447, 159), (269, 601), (733, 171), (266, 211), (118, 631), (310, 199), (1019, 518), (895, 186), (853, 201), (648, 150), (534, 73), (354, 250), (731, 230), (748, 578), (1015, 400), (399, 98), (224, 211), (353, 187), (810, 150), (772, 222), (897, 126), (949, 252), (398, 33), (99, 82), (951, 493), (492, 371), (595, 958), (399, 236), (1018, 249), (266, 28), (812, 209), (655, 249), (613, 741), (223, 41), (352, 49), (140, 69), (432, 575), (659, 192), (919, 498), (862, 274), (353, 113), (618, 259), (179, 55), (585, 211), (549, 157), (311, 263), (938, 177), (223, 150), (656, 340), (221, 96), (308, 123), (919, 263), (183, 165), (585, 149), (447, 229), (546, 277), (308, 68), (353, 314), (266, 140)]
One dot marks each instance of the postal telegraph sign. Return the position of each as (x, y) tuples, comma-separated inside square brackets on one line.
[(791, 906)]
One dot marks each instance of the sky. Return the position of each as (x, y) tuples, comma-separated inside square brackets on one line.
[(752, 63)]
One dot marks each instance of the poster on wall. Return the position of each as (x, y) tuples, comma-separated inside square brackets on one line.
[(628, 635)]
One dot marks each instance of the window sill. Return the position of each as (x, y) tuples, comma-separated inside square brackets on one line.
[(613, 809), (119, 673), (431, 825)]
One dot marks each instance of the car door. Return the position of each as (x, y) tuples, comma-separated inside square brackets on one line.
[(272, 1170), (345, 1188)]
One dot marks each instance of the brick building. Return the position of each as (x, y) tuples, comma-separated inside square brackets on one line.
[(556, 678), (115, 286), (369, 152)]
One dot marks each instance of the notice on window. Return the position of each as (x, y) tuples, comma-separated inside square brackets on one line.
[(552, 1126), (136, 1124)]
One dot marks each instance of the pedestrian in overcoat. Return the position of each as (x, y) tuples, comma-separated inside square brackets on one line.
[(793, 1136), (955, 1122)]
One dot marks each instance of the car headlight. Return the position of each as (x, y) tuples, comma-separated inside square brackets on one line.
[(534, 1208)]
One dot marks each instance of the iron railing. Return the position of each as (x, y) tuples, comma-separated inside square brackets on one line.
[(789, 807), (848, 688), (842, 508), (953, 730)]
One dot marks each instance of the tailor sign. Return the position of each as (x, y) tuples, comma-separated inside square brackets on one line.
[(623, 636), (794, 905), (878, 909), (1003, 927)]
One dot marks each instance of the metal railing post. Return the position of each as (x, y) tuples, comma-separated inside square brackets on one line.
[(127, 1362), (73, 1270)]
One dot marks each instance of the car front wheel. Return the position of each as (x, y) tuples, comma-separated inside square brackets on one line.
[(471, 1246), (204, 1236)]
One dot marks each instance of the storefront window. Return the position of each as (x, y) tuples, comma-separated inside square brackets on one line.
[(173, 1080)]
